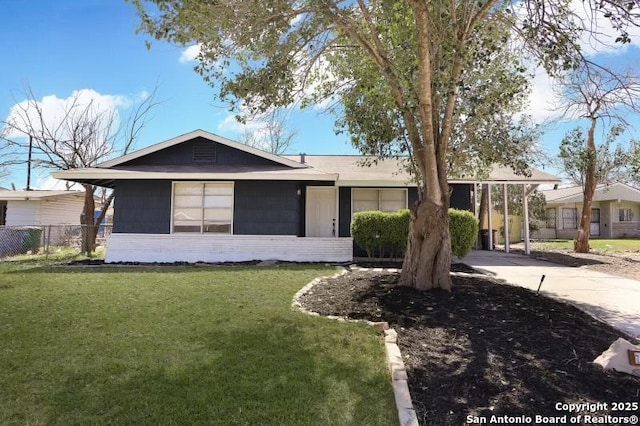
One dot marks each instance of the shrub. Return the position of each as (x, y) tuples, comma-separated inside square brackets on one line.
[(396, 232), (377, 232), (464, 231), (368, 229)]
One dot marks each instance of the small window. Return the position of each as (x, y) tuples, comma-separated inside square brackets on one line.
[(550, 218), (386, 200), (570, 218), (203, 207), (625, 215)]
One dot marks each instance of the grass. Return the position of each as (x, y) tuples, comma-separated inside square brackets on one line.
[(597, 245), (181, 345)]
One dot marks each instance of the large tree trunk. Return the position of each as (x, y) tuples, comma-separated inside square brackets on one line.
[(89, 228), (590, 182), (427, 260)]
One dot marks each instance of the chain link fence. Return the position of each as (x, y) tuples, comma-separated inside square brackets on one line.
[(46, 239)]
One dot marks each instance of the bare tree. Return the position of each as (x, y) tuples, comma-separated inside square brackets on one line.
[(598, 95), (79, 134), (273, 135)]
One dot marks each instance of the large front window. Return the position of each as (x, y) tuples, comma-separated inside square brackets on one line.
[(203, 207), (386, 200)]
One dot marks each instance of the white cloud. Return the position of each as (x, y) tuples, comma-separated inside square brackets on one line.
[(599, 35), (542, 98), (190, 53), (51, 183), (254, 124), (598, 39), (51, 109)]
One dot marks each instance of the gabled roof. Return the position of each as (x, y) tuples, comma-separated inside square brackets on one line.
[(612, 192), (202, 134), (37, 195)]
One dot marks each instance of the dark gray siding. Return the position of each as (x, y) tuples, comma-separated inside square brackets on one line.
[(266, 208), (142, 206), (182, 154), (461, 196), (344, 212)]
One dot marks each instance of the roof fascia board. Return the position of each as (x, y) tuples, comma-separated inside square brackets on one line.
[(127, 174), (211, 136)]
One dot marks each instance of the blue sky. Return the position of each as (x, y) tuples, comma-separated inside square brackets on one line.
[(58, 47)]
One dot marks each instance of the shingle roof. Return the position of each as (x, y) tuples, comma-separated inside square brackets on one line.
[(350, 168), (615, 191), (345, 170)]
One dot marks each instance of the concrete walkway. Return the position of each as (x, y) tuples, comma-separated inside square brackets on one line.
[(615, 300)]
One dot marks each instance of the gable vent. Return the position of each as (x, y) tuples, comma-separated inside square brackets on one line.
[(204, 152)]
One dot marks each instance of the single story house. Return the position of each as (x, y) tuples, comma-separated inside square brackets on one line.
[(615, 212), (35, 208), (19, 209), (202, 197)]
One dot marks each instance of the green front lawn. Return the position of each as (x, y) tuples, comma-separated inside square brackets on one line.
[(181, 345), (596, 244)]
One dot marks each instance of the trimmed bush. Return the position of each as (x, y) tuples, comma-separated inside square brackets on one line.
[(368, 229), (464, 231), (396, 232), (381, 234)]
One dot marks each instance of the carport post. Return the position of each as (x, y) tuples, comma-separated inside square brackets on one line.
[(475, 208), (506, 218), (525, 208)]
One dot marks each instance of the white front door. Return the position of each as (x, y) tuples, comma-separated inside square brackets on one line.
[(322, 212)]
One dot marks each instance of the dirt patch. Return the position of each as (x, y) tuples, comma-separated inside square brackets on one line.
[(619, 265), (485, 348)]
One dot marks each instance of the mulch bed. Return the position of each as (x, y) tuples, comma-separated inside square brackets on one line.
[(485, 348)]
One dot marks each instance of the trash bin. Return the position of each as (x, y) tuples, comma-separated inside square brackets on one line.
[(484, 238)]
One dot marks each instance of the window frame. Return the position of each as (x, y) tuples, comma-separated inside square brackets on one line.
[(575, 209), (624, 218), (378, 189), (548, 218), (202, 184)]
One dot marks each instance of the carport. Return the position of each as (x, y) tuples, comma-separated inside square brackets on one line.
[(505, 176)]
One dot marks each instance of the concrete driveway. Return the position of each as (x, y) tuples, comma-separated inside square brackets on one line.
[(615, 300)]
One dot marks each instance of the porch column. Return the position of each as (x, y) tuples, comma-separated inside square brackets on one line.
[(475, 208), (489, 218), (506, 218), (525, 208)]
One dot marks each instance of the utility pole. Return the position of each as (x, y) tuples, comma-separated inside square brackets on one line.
[(29, 163)]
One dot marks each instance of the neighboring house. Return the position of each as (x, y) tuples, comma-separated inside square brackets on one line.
[(39, 208), (615, 212), (27, 208), (201, 197)]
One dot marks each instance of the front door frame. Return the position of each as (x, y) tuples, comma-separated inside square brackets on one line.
[(309, 190)]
